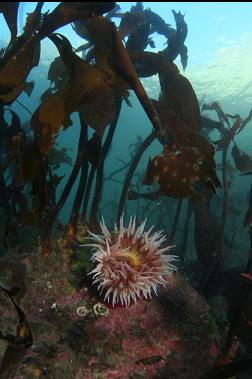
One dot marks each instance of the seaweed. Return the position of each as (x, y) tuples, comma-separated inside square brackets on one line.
[(17, 344), (181, 175)]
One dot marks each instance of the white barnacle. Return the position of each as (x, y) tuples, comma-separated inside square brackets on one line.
[(82, 311), (101, 310)]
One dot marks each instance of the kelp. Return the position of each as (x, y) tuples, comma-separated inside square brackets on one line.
[(10, 12), (243, 161), (57, 72), (176, 39), (115, 12), (13, 263), (67, 12), (100, 168), (86, 84), (79, 196), (30, 170), (23, 54), (223, 117), (33, 172), (17, 344), (39, 26), (29, 88), (139, 39), (17, 60), (130, 22), (230, 169), (177, 99), (208, 123), (228, 370), (33, 20), (133, 195), (134, 162), (207, 236), (51, 217), (187, 157), (93, 150), (100, 34), (14, 73), (9, 131), (59, 156), (111, 55), (178, 96), (177, 170), (90, 88), (133, 24), (95, 87), (227, 135)]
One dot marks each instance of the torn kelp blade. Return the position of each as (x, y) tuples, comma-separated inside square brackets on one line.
[(17, 344), (67, 12)]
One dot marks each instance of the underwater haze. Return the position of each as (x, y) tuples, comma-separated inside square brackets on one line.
[(125, 190)]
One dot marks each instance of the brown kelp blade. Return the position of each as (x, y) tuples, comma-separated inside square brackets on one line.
[(138, 40), (184, 56), (68, 57), (67, 12), (228, 370), (57, 72), (11, 361), (99, 31), (112, 57), (33, 20), (148, 63), (33, 172), (130, 22), (208, 123), (10, 11), (125, 68), (17, 344), (176, 40), (29, 86), (177, 170), (38, 28), (85, 85), (243, 161), (177, 94), (14, 73)]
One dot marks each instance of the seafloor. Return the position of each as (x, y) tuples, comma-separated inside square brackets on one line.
[(172, 336)]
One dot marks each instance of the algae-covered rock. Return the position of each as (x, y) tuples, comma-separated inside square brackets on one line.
[(171, 336)]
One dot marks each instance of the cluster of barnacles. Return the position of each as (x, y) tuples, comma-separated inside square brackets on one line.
[(98, 309)]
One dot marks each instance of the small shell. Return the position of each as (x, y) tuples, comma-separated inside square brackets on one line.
[(101, 310), (82, 311)]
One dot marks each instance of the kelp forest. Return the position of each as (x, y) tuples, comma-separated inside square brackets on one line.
[(94, 294)]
